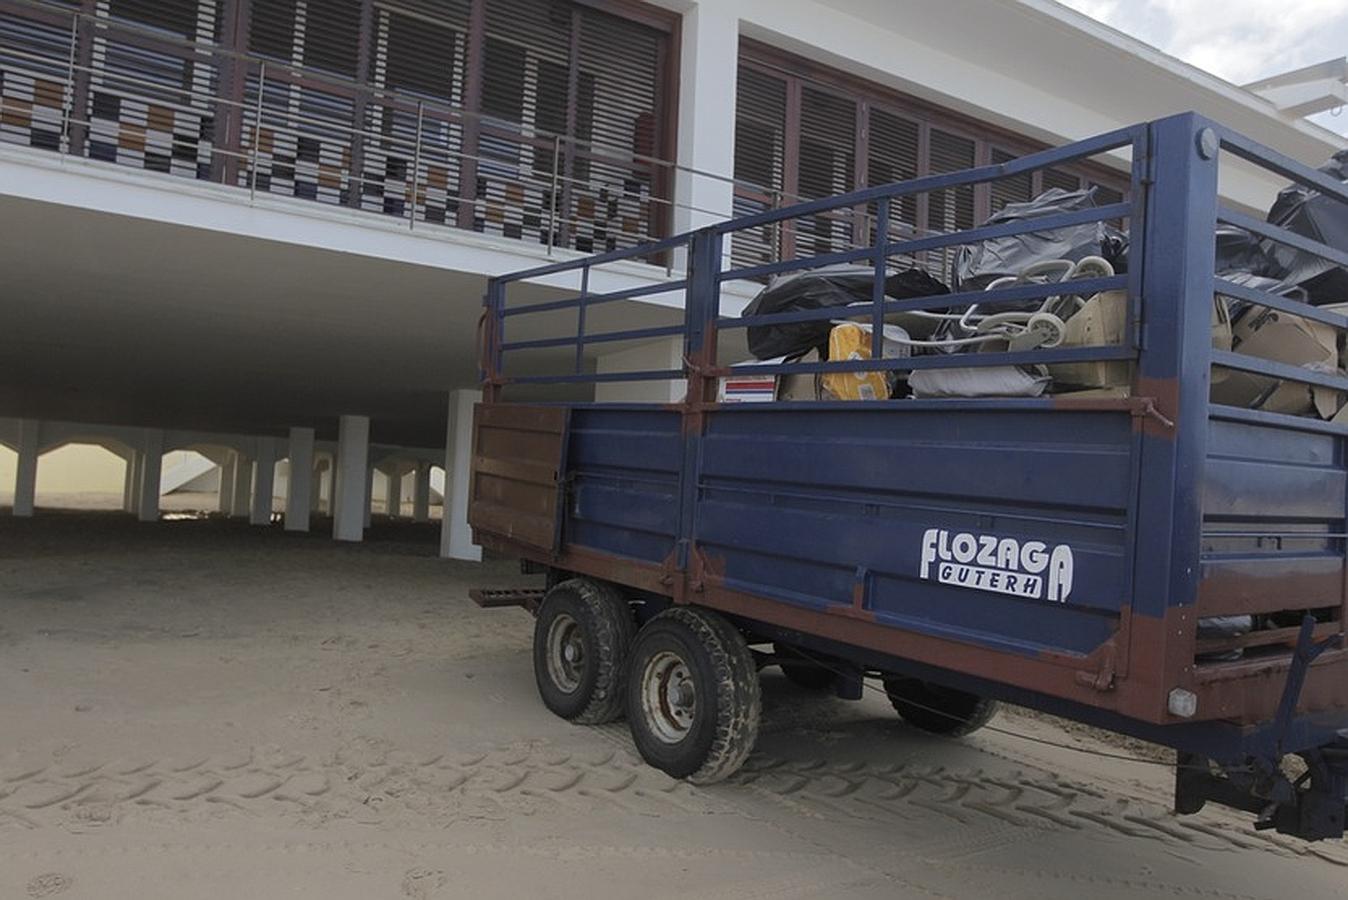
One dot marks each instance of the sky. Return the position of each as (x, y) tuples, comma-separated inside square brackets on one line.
[(1239, 40)]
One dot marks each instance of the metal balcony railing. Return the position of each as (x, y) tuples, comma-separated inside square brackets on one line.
[(105, 89)]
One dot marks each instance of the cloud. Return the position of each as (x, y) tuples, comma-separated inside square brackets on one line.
[(1238, 40)]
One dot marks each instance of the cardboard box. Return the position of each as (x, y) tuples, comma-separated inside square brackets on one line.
[(1279, 337), (1101, 323)]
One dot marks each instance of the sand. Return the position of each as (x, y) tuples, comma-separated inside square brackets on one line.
[(199, 709)]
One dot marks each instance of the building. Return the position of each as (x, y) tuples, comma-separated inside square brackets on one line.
[(260, 229)]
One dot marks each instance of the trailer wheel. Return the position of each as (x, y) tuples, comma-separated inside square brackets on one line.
[(692, 695), (802, 672), (938, 710), (581, 639)]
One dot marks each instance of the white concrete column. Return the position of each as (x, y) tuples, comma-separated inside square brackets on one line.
[(393, 496), (421, 492), (242, 498), (264, 482), (25, 475), (456, 538), (666, 353), (130, 480), (299, 484), (709, 64), (352, 494), (151, 468), (369, 495), (225, 503), (322, 486)]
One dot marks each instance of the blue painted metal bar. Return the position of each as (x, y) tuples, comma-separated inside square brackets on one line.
[(945, 361), (1282, 236), (580, 320), (602, 337), (645, 290), (596, 377), (638, 252), (1278, 370), (880, 261), (1014, 294), (1020, 165), (1276, 420), (1282, 304), (1177, 255), (938, 241), (1272, 160), (699, 351)]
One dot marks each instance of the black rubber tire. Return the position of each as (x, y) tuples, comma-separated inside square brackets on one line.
[(605, 627), (804, 673), (939, 710), (722, 732)]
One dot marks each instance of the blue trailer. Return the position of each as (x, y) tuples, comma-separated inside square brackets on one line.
[(1057, 552)]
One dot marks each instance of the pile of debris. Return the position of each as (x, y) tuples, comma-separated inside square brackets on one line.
[(1065, 318)]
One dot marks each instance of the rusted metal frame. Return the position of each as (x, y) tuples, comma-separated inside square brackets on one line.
[(490, 328), (360, 106), (1177, 283), (525, 598), (699, 354), (1228, 695), (1249, 692), (1317, 584), (475, 45), (1269, 638)]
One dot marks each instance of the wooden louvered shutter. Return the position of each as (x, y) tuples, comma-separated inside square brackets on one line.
[(616, 116), (951, 209), (149, 105), (891, 156), (760, 160), (420, 54), (1057, 178), (827, 166), (1015, 189)]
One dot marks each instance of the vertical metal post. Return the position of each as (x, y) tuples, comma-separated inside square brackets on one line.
[(257, 131), (493, 324), (416, 164), (777, 228), (699, 352), (881, 260), (68, 98), (1174, 370), (580, 317), (553, 198)]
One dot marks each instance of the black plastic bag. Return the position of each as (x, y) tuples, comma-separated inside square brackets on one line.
[(1312, 215), (1240, 251), (978, 265), (818, 289)]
